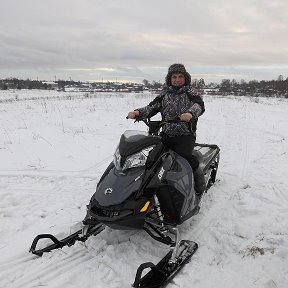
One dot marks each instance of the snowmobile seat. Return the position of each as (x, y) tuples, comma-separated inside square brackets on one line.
[(198, 155), (205, 154)]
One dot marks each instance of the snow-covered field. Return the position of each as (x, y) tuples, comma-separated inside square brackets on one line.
[(54, 147)]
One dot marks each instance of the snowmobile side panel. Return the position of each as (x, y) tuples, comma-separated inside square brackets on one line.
[(176, 192)]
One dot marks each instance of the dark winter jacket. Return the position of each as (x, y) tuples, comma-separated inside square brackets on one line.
[(173, 102)]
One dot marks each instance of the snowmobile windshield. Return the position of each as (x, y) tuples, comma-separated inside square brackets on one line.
[(134, 135), (135, 147)]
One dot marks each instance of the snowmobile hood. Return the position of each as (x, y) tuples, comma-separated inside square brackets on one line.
[(117, 186)]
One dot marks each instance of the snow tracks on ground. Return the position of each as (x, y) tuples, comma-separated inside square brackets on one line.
[(242, 227)]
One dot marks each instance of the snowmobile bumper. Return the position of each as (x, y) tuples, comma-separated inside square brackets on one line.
[(129, 215)]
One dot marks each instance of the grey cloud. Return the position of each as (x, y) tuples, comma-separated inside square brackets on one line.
[(132, 37)]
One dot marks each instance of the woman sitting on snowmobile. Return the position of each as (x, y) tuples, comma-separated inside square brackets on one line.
[(178, 99)]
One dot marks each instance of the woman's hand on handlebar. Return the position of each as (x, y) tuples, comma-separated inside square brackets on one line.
[(186, 117), (133, 114)]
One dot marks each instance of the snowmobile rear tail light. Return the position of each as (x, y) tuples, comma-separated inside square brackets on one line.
[(145, 207)]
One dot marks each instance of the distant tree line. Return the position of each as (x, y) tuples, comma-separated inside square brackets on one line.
[(200, 84), (278, 88), (15, 83), (60, 85)]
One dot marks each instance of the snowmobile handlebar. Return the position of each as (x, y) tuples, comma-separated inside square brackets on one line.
[(147, 119), (155, 126)]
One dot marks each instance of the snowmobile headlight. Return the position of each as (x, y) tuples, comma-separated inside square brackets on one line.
[(138, 159)]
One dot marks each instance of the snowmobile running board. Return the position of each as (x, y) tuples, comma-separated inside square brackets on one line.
[(161, 274), (67, 241)]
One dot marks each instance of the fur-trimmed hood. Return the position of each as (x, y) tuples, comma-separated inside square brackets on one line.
[(177, 68)]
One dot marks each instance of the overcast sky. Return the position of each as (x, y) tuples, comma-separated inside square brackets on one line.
[(134, 40)]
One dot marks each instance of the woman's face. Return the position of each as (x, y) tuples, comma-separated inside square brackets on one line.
[(177, 79)]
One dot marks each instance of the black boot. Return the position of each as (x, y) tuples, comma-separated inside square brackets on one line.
[(200, 184)]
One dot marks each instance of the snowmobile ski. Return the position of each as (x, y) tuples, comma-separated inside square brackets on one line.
[(161, 274), (67, 241)]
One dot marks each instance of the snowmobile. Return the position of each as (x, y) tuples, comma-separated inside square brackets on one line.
[(146, 186)]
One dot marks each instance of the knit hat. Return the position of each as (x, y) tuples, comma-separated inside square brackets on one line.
[(177, 68)]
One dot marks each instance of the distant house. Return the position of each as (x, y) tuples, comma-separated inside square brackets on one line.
[(51, 84), (211, 91)]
